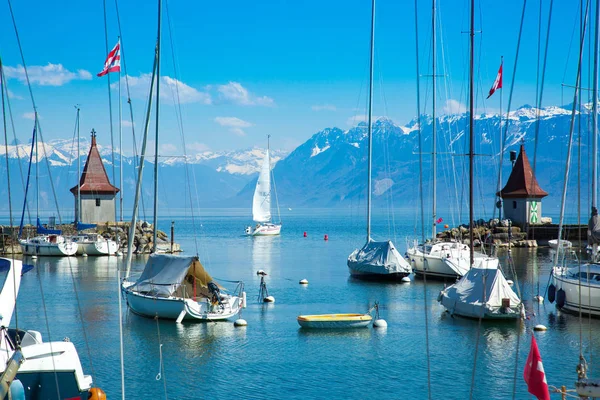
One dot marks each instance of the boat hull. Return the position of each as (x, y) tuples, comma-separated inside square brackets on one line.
[(49, 249), (264, 230), (383, 275), (590, 294), (334, 321), (172, 307), (97, 248), (481, 311)]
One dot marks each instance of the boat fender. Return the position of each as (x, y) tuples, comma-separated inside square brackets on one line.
[(551, 293), (561, 297), (96, 394), (17, 391)]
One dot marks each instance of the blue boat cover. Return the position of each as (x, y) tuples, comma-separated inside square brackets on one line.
[(81, 226), (43, 231)]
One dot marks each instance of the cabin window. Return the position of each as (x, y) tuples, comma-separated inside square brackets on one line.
[(97, 202), (514, 204)]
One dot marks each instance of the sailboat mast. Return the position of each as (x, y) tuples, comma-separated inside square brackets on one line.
[(370, 122), (434, 125), (595, 112), (155, 222), (120, 144), (37, 179), (471, 100), (78, 170)]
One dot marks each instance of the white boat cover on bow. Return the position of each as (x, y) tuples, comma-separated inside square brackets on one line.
[(261, 203), (378, 258), (484, 281), (164, 274)]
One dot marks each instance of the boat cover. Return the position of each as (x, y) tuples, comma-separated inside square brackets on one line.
[(44, 231), (163, 274), (82, 227), (378, 258), (484, 280)]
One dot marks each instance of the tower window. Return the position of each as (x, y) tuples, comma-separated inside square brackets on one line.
[(514, 203), (97, 202)]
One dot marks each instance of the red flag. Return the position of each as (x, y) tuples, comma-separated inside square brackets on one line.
[(534, 374), (497, 83), (113, 61), (439, 220)]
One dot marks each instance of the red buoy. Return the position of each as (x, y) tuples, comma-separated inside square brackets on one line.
[(304, 234), (326, 237)]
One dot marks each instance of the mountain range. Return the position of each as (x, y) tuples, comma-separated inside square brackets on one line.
[(330, 168)]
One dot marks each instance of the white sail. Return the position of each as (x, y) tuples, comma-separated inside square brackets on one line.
[(261, 204)]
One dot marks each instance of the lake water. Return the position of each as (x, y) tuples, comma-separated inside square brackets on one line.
[(272, 357)]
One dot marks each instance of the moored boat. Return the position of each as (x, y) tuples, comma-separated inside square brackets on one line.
[(577, 289), (48, 245), (334, 321), (94, 244)]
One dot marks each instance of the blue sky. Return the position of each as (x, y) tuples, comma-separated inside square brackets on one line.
[(285, 68)]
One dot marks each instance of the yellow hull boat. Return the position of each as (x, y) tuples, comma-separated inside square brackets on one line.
[(334, 321)]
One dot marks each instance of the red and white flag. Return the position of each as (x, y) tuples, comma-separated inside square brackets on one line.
[(113, 61), (497, 83), (534, 374)]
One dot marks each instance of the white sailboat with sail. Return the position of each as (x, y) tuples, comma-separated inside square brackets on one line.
[(261, 202), (375, 260)]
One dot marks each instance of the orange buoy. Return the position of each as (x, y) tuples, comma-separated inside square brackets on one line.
[(446, 226), (326, 237), (97, 394), (304, 234)]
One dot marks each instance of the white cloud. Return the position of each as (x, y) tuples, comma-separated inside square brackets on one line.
[(12, 95), (31, 116), (126, 123), (234, 92), (170, 88), (324, 107), (197, 147), (167, 149), (46, 75), (356, 119), (453, 107), (234, 124)]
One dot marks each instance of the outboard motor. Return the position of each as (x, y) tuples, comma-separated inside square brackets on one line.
[(561, 298), (216, 293), (551, 293)]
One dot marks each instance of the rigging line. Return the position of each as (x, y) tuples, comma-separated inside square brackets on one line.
[(10, 210), (12, 123), (180, 123), (541, 90), (578, 12), (510, 95), (419, 133)]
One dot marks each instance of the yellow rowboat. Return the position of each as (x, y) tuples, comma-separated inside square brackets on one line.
[(334, 321)]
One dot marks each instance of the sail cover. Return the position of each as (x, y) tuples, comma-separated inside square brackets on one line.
[(261, 204), (163, 274), (480, 291), (378, 258), (44, 231)]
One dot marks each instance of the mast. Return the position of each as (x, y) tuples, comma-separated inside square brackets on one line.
[(595, 113), (78, 170), (120, 144), (269, 161), (501, 145), (471, 99), (37, 179), (434, 126), (370, 127), (155, 221)]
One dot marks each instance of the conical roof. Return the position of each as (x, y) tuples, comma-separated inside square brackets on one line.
[(94, 179), (521, 182)]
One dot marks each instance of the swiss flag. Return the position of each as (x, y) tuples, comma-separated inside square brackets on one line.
[(497, 83), (534, 374)]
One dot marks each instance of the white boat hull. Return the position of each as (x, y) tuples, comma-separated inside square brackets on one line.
[(97, 248), (590, 293), (264, 230), (48, 249), (172, 307), (334, 321), (482, 311), (439, 267), (553, 243)]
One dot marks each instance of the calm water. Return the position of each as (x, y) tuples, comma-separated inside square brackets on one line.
[(272, 357)]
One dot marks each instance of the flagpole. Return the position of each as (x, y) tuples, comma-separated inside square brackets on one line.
[(120, 145), (501, 142)]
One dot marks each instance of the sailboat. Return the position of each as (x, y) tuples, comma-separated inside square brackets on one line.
[(375, 260), (172, 287), (47, 242), (483, 292), (438, 259), (261, 202)]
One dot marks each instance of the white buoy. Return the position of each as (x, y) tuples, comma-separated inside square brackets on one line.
[(406, 279), (269, 299), (33, 257), (380, 323), (540, 327), (303, 281), (539, 299), (84, 255), (260, 272), (510, 283), (240, 322)]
